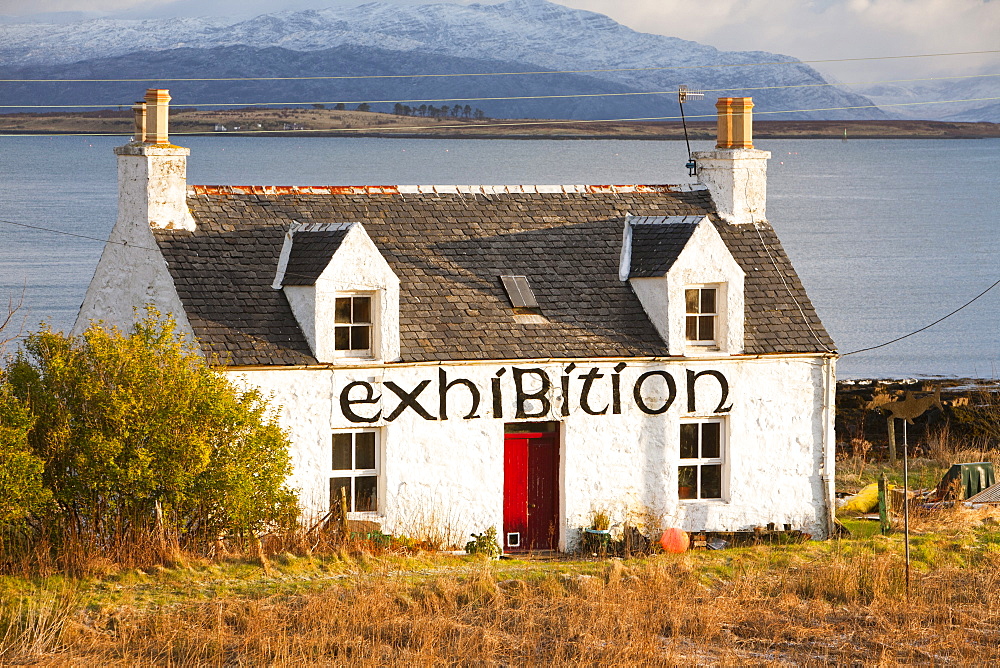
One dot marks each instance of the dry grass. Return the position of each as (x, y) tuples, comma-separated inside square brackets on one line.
[(840, 602)]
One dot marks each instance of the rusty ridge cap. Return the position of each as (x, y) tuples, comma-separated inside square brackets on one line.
[(195, 190)]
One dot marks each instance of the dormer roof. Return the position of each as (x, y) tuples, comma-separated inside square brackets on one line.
[(310, 253), (448, 246), (657, 241)]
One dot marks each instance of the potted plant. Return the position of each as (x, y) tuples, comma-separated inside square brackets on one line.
[(597, 536), (686, 481)]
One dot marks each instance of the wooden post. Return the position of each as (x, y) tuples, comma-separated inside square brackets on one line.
[(343, 512), (883, 505), (262, 556), (891, 426), (906, 511)]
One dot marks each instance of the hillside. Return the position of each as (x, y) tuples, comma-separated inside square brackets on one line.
[(389, 40), (313, 122)]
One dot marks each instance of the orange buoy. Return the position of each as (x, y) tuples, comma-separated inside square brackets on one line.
[(674, 541)]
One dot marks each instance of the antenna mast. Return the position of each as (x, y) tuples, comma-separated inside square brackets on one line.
[(683, 95)]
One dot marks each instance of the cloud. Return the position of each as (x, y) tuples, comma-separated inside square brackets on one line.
[(824, 29), (805, 29), (20, 7)]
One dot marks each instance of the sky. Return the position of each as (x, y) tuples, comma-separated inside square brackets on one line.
[(805, 29)]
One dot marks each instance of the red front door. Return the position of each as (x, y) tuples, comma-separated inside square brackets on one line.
[(531, 490)]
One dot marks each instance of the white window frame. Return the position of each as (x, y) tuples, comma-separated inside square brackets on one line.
[(373, 324), (718, 319), (722, 460), (354, 473)]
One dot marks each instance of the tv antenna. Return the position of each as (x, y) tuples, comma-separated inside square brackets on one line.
[(683, 95)]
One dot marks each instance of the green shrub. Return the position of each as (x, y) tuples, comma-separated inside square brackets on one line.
[(484, 543), (133, 428), (21, 489)]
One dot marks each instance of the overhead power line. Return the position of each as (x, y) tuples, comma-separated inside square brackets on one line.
[(853, 352), (499, 98), (925, 327), (70, 234), (387, 129), (508, 74)]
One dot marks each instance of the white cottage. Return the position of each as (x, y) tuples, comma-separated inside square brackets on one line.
[(509, 356)]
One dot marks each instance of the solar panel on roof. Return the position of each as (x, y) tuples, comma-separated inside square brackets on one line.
[(519, 292)]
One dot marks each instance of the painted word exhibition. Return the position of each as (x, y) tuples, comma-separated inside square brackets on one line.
[(360, 401)]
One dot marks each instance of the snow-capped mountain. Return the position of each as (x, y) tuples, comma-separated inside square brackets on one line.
[(520, 35), (976, 95)]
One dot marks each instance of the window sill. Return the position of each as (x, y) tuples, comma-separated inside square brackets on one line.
[(721, 502)]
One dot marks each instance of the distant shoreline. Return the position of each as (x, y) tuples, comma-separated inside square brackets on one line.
[(302, 123)]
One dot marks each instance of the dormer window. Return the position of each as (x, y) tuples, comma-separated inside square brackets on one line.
[(342, 292), (688, 282), (701, 314), (353, 325)]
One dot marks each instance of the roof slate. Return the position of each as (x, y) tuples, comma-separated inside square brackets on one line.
[(311, 253), (448, 250), (657, 242)]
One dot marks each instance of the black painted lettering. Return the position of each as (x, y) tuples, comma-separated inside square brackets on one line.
[(564, 383), (407, 400), (497, 394), (637, 392), (723, 384), (616, 389), (588, 382), (444, 386), (346, 402), (523, 397)]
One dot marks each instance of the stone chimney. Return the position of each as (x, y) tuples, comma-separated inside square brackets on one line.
[(735, 172), (152, 173)]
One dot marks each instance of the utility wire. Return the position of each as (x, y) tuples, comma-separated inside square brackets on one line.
[(808, 323), (925, 327), (496, 99), (781, 274), (473, 125), (71, 234), (507, 74)]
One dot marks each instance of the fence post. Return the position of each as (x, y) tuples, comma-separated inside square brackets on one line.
[(343, 512), (883, 505)]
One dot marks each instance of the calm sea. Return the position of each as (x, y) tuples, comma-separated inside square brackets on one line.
[(887, 236)]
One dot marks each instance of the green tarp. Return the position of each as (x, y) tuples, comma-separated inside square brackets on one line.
[(970, 479)]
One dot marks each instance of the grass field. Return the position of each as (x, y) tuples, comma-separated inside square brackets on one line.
[(842, 601)]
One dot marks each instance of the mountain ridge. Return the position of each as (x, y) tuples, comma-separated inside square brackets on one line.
[(519, 34)]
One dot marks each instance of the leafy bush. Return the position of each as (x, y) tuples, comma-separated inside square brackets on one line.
[(485, 543), (134, 429), (21, 490)]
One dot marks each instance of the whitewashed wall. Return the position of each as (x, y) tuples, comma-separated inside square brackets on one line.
[(132, 271), (624, 463)]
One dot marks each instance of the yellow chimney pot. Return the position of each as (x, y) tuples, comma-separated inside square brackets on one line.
[(735, 122), (139, 113), (724, 134), (157, 115), (742, 122)]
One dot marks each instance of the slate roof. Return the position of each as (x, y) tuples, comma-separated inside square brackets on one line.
[(311, 253), (657, 241), (449, 249)]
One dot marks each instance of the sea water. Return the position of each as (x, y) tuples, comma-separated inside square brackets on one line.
[(887, 235)]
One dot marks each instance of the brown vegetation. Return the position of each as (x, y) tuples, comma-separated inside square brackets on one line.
[(842, 602), (310, 598), (261, 121)]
